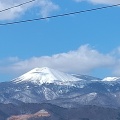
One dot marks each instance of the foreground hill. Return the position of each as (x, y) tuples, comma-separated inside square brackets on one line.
[(52, 112)]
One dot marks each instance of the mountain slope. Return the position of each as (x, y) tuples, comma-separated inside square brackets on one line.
[(52, 86)]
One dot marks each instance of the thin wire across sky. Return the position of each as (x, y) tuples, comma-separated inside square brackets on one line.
[(6, 9), (54, 16)]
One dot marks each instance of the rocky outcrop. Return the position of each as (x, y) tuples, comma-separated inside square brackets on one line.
[(41, 113)]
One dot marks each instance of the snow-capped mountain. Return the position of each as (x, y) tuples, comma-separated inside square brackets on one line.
[(52, 86), (45, 75)]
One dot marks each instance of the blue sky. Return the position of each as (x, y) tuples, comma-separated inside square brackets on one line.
[(87, 43)]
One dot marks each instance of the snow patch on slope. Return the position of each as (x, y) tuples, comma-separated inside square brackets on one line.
[(49, 94)]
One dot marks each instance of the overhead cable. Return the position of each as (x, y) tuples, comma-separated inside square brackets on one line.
[(6, 9), (59, 15)]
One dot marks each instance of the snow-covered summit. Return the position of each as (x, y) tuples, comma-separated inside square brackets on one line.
[(111, 79), (45, 75)]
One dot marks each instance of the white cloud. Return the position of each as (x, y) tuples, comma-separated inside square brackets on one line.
[(101, 1), (116, 68), (45, 6), (83, 60)]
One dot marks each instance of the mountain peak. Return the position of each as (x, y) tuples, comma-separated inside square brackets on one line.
[(41, 70), (45, 75), (111, 79)]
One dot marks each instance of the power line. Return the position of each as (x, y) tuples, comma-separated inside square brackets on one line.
[(17, 5), (59, 15)]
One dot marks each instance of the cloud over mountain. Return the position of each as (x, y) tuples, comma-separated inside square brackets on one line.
[(83, 60)]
